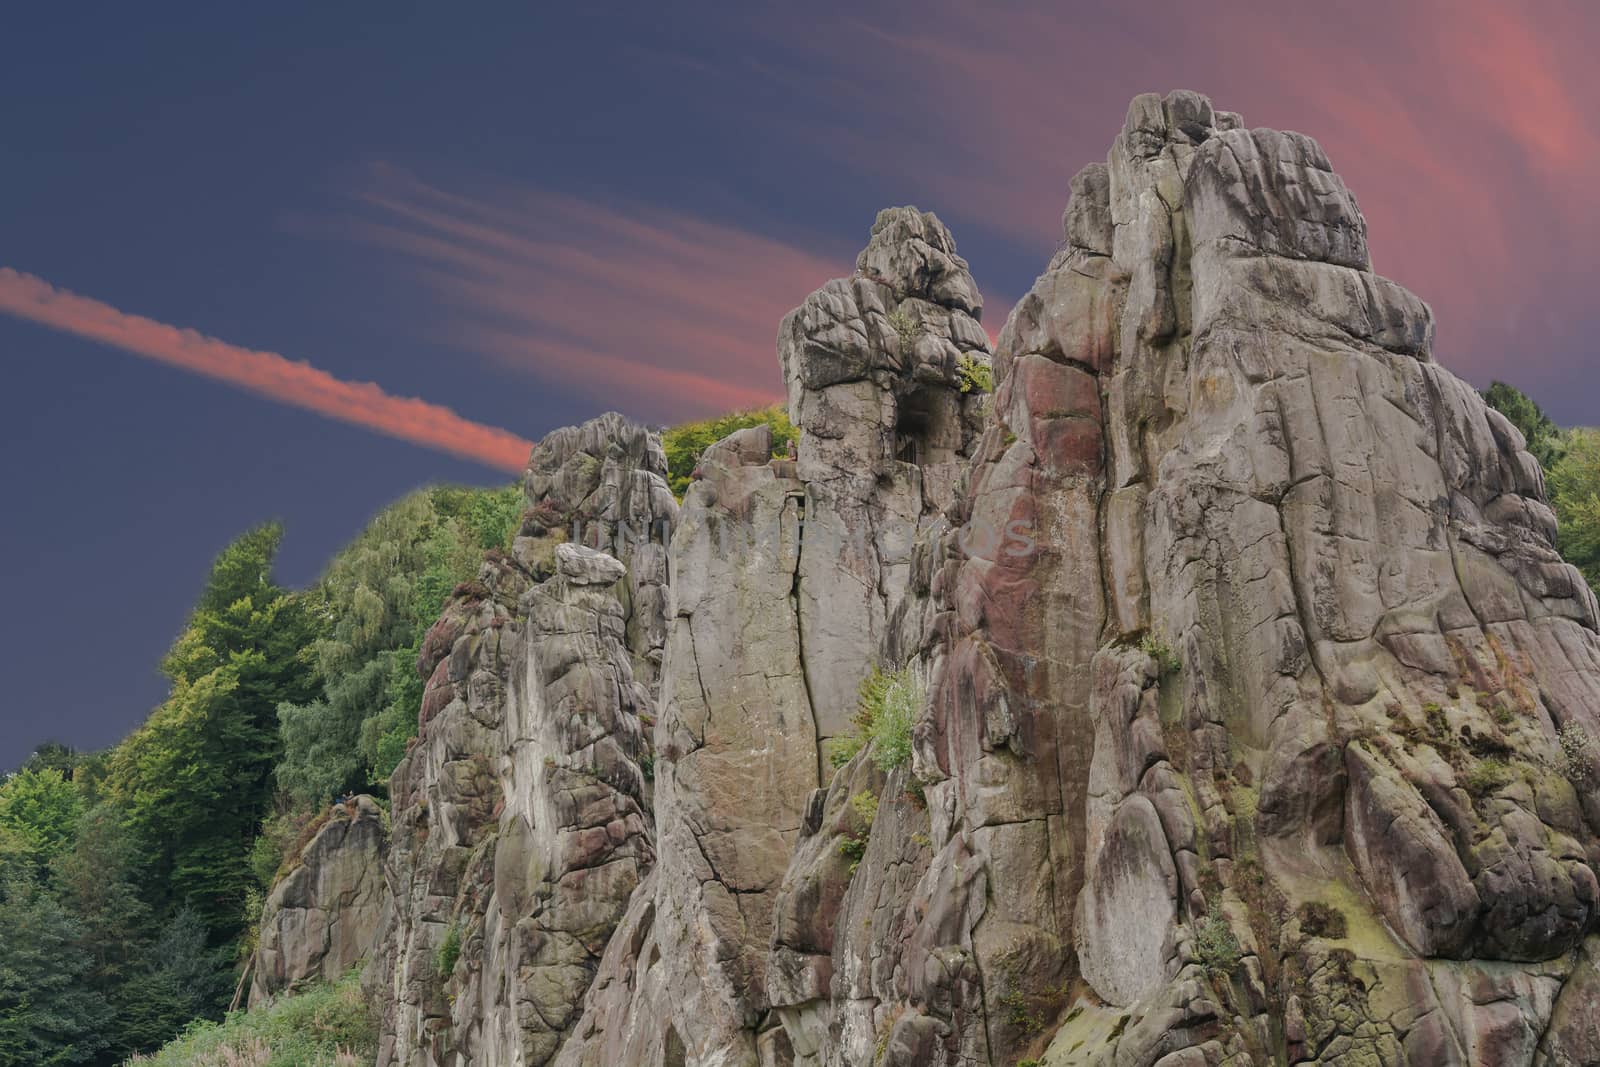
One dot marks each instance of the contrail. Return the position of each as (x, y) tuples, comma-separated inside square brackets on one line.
[(267, 373)]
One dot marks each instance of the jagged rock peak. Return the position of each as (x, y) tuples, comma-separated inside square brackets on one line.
[(913, 253)]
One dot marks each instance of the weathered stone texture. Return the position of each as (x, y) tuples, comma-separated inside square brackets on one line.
[(322, 917), (1245, 650), (521, 814)]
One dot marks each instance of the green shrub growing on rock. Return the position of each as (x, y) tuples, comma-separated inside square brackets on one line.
[(1218, 950), (684, 443)]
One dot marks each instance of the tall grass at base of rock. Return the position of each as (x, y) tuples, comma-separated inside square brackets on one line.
[(323, 1026)]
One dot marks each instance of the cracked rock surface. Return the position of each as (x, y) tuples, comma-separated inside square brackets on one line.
[(1245, 658)]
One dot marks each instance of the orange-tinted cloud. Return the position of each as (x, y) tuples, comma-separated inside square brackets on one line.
[(652, 311), (266, 373)]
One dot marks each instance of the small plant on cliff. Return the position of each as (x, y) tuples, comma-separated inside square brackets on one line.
[(320, 1026), (895, 716), (1322, 920), (886, 711), (853, 845), (1487, 776), (1018, 1014), (1218, 950), (1579, 755), (1166, 659), (449, 951), (906, 328), (976, 376)]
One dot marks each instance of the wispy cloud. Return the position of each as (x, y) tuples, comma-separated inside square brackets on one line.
[(658, 312), (266, 373), (1465, 128)]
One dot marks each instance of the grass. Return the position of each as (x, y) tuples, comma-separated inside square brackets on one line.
[(324, 1026), (449, 951), (1487, 776)]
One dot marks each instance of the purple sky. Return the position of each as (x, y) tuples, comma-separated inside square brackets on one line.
[(508, 224)]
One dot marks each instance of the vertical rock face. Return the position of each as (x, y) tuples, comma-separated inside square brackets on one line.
[(521, 823), (1260, 714), (1249, 657), (322, 917), (790, 582)]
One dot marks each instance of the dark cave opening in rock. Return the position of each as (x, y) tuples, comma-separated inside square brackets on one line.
[(913, 424)]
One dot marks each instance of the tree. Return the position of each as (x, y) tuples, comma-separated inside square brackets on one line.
[(39, 812), (684, 444), (179, 978), (195, 780), (1545, 439), (378, 598), (47, 1016), (1574, 487)]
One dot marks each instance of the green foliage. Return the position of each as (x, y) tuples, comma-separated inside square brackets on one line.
[(906, 329), (47, 1014), (323, 1026), (1487, 776), (1167, 661), (449, 951), (886, 711), (1215, 946), (976, 375), (1018, 1014), (39, 812), (195, 780), (843, 749), (893, 720), (1545, 439), (179, 978), (684, 444), (865, 805), (853, 844), (1574, 487), (378, 598)]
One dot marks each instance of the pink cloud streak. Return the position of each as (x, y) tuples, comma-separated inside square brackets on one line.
[(267, 374), (650, 310)]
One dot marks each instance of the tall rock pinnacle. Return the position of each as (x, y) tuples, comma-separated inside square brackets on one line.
[(1257, 720)]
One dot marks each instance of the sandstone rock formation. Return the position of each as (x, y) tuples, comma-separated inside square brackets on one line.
[(521, 815), (321, 918), (787, 591), (1247, 751), (1259, 710)]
